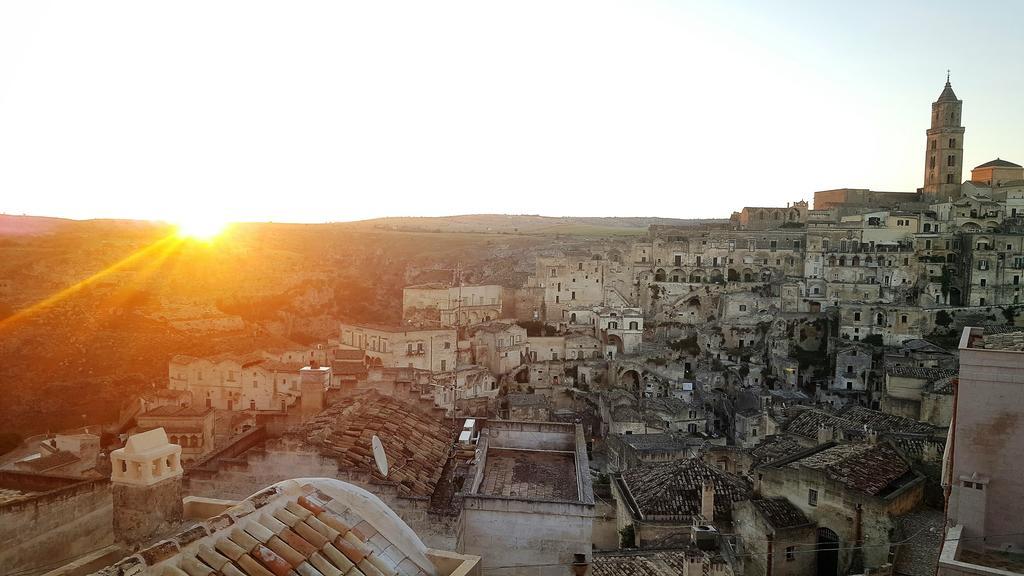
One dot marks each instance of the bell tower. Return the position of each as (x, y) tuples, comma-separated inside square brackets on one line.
[(944, 153)]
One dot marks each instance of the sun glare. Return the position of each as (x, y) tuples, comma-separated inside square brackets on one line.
[(201, 228)]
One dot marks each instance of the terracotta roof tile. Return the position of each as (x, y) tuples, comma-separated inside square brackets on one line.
[(672, 490), (417, 444)]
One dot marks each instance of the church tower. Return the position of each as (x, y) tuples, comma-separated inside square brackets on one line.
[(944, 156)]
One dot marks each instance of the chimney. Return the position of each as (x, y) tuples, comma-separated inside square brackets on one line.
[(580, 566), (146, 487), (825, 434), (707, 501)]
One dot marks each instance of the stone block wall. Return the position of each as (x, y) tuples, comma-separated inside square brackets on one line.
[(49, 530)]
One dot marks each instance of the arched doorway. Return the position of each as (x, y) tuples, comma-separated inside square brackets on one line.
[(616, 341), (630, 380), (827, 552), (659, 275)]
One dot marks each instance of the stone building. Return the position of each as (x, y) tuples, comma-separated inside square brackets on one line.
[(984, 480), (432, 305), (905, 389), (567, 281), (189, 427), (944, 156), (776, 538), (769, 218), (672, 498), (852, 492), (626, 451), (498, 346), (237, 381), (528, 504), (400, 347)]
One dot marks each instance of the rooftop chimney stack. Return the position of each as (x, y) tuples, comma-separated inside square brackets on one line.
[(146, 486), (707, 501), (825, 434)]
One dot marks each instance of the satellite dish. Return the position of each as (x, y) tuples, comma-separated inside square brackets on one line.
[(379, 456)]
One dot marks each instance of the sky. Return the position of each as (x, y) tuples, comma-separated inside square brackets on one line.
[(341, 110)]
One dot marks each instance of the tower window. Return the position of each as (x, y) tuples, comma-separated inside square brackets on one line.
[(931, 164), (950, 160), (952, 142), (934, 144), (949, 179)]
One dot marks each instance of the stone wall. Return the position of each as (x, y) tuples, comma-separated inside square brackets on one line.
[(142, 512), (49, 530)]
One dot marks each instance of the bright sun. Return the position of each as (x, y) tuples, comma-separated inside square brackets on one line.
[(202, 228)]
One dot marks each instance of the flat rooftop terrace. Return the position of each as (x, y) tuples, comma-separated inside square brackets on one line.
[(530, 474)]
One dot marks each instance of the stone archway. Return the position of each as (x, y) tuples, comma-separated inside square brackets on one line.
[(631, 380), (827, 552), (616, 341)]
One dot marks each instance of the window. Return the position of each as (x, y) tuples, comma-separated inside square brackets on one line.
[(743, 307), (903, 319), (790, 553), (983, 282), (856, 316), (949, 179), (950, 161), (447, 345), (952, 142), (753, 432), (812, 497), (573, 296), (444, 365)]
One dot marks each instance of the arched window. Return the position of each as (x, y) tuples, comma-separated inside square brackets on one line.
[(634, 326)]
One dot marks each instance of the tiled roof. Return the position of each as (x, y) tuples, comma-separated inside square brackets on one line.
[(532, 475), (944, 385), (324, 527), (854, 419), (998, 163), (55, 460), (919, 372), (349, 354), (914, 446), (647, 563), (673, 489), (947, 95), (882, 422), (345, 367), (417, 444), (808, 422), (920, 344), (626, 414), (520, 400), (774, 448), (865, 467), (673, 406), (653, 442), (780, 513)]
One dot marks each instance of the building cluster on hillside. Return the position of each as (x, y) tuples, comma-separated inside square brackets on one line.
[(801, 390)]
